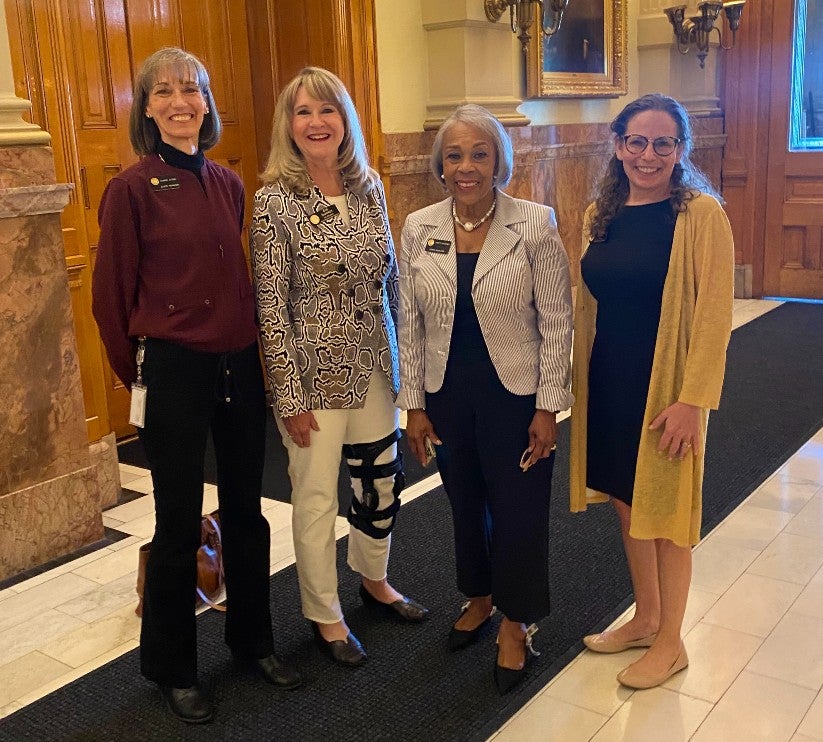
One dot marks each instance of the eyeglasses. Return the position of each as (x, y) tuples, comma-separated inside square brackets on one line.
[(663, 146)]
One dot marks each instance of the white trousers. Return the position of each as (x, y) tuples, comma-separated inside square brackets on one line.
[(314, 473)]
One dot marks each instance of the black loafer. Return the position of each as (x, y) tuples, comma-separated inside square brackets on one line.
[(406, 609), (462, 638), (273, 671), (188, 704), (349, 652)]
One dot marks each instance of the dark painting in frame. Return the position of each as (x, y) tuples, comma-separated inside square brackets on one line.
[(586, 58)]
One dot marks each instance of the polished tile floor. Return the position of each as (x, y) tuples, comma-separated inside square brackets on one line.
[(754, 624)]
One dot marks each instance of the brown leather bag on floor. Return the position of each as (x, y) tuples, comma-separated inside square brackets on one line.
[(210, 578)]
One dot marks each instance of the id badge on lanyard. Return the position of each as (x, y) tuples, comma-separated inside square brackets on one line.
[(137, 411)]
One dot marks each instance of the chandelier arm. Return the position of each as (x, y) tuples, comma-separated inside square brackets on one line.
[(721, 36)]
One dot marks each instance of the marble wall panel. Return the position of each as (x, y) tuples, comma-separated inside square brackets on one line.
[(104, 462), (42, 421), (22, 166), (48, 520), (558, 165)]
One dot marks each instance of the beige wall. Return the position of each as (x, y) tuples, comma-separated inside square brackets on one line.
[(402, 55)]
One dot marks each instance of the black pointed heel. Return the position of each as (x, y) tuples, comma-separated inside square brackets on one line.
[(462, 638), (505, 678)]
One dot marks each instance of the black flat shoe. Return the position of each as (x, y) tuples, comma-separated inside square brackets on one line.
[(272, 670), (406, 609), (349, 652), (188, 704), (462, 638), (504, 677)]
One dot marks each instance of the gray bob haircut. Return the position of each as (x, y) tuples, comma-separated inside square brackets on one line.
[(477, 116), (286, 163), (143, 131)]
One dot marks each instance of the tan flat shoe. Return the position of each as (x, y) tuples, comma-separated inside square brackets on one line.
[(640, 682), (606, 643)]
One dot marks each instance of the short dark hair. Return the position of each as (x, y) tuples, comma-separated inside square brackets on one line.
[(143, 131)]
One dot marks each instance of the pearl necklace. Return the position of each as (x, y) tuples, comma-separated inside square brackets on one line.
[(471, 226)]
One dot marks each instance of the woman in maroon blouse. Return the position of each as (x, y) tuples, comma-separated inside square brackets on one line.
[(173, 300)]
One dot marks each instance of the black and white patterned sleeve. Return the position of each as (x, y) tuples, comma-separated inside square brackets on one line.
[(272, 265)]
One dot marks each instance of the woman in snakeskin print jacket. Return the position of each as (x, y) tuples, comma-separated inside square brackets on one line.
[(326, 281)]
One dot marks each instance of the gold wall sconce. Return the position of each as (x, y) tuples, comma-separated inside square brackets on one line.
[(696, 30), (521, 16)]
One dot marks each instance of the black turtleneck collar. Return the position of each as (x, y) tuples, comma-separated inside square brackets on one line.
[(176, 158)]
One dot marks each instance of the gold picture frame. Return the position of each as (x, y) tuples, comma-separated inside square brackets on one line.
[(586, 58)]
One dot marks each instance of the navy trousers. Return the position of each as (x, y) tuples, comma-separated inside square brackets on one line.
[(500, 513), (189, 395)]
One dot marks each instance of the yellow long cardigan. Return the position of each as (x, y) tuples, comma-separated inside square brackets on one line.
[(689, 363)]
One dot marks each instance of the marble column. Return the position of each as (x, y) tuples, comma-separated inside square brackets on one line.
[(49, 489), (471, 60)]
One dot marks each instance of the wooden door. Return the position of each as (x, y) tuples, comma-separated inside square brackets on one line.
[(287, 35), (793, 250), (76, 62)]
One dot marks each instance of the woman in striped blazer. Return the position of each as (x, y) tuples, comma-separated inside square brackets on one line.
[(485, 334)]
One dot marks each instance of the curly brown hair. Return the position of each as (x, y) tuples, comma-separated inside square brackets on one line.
[(687, 179)]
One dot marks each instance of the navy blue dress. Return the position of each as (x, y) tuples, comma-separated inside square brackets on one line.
[(625, 273)]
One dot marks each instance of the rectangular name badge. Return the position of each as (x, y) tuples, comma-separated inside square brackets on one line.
[(324, 214), (441, 247), (164, 184), (137, 411)]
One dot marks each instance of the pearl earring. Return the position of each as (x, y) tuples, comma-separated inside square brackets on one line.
[(148, 115), (442, 177)]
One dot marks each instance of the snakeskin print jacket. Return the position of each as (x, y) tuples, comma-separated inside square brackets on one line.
[(327, 297)]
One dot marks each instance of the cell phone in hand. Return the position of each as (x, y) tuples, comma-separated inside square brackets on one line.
[(430, 452)]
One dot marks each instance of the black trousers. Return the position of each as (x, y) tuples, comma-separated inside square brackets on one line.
[(189, 394), (500, 513)]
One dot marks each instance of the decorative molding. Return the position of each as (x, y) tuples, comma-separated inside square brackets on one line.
[(14, 130), (31, 200), (504, 108)]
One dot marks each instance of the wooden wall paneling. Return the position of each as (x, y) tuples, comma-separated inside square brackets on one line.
[(260, 19), (99, 78), (358, 45), (794, 189), (153, 24), (287, 35), (215, 31), (745, 99), (41, 60)]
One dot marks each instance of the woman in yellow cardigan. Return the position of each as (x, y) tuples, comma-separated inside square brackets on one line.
[(652, 322)]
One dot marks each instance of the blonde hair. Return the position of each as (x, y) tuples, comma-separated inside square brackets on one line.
[(286, 163)]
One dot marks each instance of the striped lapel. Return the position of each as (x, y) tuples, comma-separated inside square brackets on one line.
[(442, 228), (500, 240)]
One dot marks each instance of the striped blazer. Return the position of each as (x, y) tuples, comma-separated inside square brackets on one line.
[(522, 295)]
